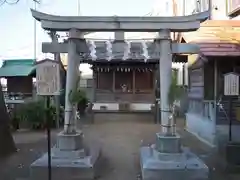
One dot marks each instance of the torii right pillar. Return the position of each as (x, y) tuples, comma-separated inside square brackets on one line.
[(165, 67), (167, 159)]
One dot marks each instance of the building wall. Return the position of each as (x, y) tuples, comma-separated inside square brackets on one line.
[(87, 85), (216, 130), (218, 10), (20, 85), (203, 128), (109, 85)]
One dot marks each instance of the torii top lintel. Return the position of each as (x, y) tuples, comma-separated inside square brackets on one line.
[(120, 23)]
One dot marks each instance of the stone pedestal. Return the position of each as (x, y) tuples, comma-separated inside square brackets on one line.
[(171, 166), (70, 142), (168, 144), (71, 160), (168, 161)]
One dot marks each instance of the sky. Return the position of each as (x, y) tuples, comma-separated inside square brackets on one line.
[(17, 24)]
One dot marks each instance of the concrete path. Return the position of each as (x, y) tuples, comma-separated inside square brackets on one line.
[(120, 141)]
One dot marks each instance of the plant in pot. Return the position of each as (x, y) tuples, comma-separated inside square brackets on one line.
[(175, 93)]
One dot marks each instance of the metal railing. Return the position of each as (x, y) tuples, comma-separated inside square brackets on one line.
[(16, 98)]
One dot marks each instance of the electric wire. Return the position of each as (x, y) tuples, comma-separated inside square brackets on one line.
[(2, 2), (13, 2)]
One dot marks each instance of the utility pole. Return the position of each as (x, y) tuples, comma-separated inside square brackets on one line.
[(210, 4), (35, 32), (174, 6), (78, 8), (184, 7)]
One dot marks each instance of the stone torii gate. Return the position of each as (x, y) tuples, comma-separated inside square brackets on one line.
[(70, 151)]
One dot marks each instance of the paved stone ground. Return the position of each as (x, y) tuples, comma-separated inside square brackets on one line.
[(120, 141)]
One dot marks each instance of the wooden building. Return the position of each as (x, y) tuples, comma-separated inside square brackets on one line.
[(220, 53), (127, 82), (124, 81), (19, 75)]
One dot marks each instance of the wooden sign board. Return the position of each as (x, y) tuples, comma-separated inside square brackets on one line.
[(237, 111), (48, 78), (231, 84)]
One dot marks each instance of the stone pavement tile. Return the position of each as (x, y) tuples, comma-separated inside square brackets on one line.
[(209, 155)]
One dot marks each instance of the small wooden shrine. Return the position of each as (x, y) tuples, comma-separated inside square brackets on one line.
[(125, 73)]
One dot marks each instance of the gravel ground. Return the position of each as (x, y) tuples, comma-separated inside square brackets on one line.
[(120, 141)]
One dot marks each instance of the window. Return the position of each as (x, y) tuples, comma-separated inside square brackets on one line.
[(233, 7), (194, 6), (201, 6)]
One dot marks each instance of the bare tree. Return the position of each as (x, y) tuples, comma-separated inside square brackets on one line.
[(7, 145)]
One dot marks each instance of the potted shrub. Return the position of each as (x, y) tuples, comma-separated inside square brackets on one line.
[(82, 104), (175, 92), (78, 98)]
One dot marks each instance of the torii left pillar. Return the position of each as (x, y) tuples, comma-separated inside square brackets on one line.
[(71, 158)]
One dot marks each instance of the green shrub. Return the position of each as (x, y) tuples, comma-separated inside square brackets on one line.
[(33, 113), (78, 97)]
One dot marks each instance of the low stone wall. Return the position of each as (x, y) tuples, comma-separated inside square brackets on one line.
[(203, 128), (210, 133), (115, 106)]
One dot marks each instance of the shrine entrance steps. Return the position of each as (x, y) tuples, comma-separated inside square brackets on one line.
[(124, 116)]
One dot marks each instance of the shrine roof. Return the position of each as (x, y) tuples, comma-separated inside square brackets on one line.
[(17, 67), (217, 38)]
